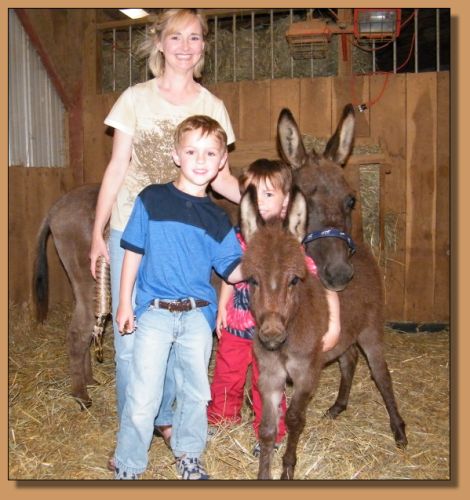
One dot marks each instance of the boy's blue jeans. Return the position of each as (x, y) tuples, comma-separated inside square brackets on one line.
[(158, 331), (123, 344)]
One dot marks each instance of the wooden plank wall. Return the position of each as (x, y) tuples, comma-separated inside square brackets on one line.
[(32, 191), (409, 117)]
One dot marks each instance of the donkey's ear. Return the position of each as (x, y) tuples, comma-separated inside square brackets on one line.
[(296, 218), (291, 146), (340, 145), (250, 219)]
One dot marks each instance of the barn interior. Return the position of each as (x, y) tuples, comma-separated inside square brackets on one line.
[(399, 84)]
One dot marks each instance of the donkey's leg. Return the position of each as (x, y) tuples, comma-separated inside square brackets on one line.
[(305, 379), (271, 383), (347, 366), (370, 342), (79, 338)]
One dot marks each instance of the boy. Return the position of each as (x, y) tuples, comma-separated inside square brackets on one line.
[(235, 323), (174, 238)]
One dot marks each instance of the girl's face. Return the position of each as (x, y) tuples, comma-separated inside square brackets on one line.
[(183, 46), (272, 202)]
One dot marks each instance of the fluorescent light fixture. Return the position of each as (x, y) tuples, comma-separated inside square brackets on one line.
[(134, 13)]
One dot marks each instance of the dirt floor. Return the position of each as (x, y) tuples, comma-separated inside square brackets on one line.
[(51, 438)]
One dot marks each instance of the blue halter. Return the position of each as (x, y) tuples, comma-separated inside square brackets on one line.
[(331, 233)]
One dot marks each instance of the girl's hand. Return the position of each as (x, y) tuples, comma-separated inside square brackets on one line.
[(221, 321)]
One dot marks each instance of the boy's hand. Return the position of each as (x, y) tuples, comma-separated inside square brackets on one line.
[(125, 319)]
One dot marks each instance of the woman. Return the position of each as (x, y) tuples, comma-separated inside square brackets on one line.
[(144, 118)]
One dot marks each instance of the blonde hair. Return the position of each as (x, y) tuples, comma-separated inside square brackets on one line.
[(166, 23), (277, 172), (207, 126)]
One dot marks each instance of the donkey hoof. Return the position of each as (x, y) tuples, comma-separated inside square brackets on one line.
[(334, 411), (83, 402), (400, 439)]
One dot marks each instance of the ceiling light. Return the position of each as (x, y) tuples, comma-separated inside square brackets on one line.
[(134, 13)]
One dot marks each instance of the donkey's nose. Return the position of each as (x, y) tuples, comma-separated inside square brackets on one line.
[(336, 277), (271, 332)]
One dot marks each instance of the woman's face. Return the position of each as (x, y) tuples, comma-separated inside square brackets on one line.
[(183, 46)]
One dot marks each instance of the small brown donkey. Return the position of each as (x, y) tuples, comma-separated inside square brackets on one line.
[(289, 304)]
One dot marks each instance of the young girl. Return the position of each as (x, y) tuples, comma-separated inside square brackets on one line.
[(235, 323)]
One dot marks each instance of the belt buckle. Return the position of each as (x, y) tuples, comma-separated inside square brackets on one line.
[(172, 306)]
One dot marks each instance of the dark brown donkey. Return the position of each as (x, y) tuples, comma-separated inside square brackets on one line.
[(290, 306), (70, 220)]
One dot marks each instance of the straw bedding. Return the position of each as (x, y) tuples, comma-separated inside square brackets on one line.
[(50, 438)]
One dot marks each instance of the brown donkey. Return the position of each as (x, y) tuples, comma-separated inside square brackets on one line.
[(70, 221), (290, 306)]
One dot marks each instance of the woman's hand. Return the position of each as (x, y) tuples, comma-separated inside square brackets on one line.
[(98, 248)]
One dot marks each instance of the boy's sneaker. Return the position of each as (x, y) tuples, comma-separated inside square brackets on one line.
[(118, 474), (191, 468), (211, 432), (257, 449)]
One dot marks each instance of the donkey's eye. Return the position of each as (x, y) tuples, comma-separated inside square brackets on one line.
[(252, 281), (350, 202), (294, 281)]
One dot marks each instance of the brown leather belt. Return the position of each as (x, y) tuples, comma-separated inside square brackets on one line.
[(180, 305)]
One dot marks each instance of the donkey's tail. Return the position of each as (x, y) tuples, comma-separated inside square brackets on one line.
[(41, 273)]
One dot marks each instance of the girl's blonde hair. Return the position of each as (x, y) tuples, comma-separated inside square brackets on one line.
[(166, 23)]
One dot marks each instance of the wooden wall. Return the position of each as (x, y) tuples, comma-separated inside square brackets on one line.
[(31, 192), (409, 118)]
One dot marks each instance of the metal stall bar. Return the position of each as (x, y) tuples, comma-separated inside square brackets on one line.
[(271, 27), (130, 54), (234, 29), (252, 45), (438, 42), (114, 59), (416, 39)]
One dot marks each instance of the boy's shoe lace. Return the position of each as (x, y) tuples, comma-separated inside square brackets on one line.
[(257, 449), (191, 468)]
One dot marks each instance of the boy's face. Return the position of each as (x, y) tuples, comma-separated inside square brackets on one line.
[(200, 158), (272, 202)]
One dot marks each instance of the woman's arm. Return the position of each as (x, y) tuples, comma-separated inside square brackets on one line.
[(226, 184), (112, 181)]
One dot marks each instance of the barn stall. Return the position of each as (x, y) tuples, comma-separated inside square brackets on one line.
[(399, 168)]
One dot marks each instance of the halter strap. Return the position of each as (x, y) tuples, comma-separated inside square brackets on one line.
[(330, 233)]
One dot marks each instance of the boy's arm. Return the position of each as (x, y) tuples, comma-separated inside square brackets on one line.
[(125, 313), (236, 275), (224, 296)]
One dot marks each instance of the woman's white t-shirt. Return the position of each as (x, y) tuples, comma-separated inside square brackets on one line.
[(142, 112)]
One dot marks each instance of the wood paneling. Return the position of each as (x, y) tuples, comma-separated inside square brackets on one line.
[(388, 118), (442, 207), (32, 193), (421, 148), (254, 114)]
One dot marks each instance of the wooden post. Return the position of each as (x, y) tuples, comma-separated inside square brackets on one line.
[(344, 47)]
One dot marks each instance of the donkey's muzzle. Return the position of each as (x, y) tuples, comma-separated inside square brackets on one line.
[(271, 332)]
